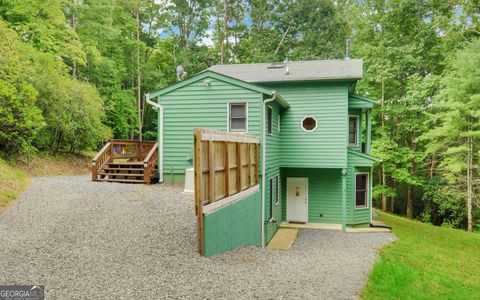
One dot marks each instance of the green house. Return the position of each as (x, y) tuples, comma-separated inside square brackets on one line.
[(314, 132)]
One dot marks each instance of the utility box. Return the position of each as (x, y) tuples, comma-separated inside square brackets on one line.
[(189, 182)]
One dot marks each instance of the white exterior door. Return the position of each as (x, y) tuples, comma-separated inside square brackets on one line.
[(297, 199)]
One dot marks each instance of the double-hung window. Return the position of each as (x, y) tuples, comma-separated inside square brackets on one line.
[(271, 200), (277, 194), (361, 190), (237, 117), (353, 131), (269, 120)]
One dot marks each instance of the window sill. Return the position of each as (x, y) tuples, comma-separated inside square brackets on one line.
[(237, 131), (361, 207)]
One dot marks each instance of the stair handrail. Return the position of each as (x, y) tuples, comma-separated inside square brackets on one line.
[(149, 162), (150, 153), (100, 160)]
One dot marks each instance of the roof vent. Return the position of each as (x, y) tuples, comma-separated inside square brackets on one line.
[(277, 65), (347, 51)]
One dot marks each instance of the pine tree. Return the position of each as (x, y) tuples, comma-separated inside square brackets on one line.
[(456, 138)]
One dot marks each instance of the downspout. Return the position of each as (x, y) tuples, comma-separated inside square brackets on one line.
[(158, 107), (264, 156)]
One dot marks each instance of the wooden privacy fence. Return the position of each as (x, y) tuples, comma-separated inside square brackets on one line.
[(225, 164)]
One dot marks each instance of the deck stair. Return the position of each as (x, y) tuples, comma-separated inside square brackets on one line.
[(126, 161)]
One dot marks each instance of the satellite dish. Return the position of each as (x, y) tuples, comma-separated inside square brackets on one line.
[(181, 72)]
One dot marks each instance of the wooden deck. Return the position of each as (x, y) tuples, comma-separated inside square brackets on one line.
[(126, 161)]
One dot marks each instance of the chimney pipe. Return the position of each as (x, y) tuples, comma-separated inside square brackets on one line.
[(347, 51)]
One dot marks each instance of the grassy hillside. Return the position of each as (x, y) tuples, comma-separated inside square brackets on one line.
[(426, 262), (61, 164), (12, 182)]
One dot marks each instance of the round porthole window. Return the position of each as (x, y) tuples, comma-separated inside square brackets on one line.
[(309, 123)]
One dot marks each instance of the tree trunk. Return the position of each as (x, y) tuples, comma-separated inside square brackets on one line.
[(410, 186), (392, 199), (59, 140), (410, 202), (470, 181), (74, 28), (224, 35), (139, 95), (384, 175), (431, 174), (282, 40)]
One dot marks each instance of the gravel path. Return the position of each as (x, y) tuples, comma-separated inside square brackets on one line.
[(86, 240)]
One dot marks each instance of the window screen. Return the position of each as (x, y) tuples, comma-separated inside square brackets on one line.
[(277, 194), (352, 130), (271, 199), (361, 193), (270, 119), (238, 117)]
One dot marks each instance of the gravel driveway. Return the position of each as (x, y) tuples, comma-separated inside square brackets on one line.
[(86, 240)]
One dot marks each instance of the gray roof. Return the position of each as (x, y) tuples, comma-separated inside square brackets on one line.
[(297, 70)]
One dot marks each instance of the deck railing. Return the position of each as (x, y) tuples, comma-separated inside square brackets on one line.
[(131, 151), (127, 151), (150, 162)]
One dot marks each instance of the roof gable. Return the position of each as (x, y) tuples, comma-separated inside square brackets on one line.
[(337, 69), (210, 74), (361, 159), (357, 101)]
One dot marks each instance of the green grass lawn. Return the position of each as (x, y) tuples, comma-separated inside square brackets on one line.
[(12, 182), (426, 262)]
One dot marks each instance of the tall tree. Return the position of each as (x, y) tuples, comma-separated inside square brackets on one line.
[(404, 51), (457, 135)]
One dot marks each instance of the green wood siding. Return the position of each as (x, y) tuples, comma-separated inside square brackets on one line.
[(355, 101), (199, 105), (324, 194), (359, 159), (357, 163), (326, 146), (233, 226), (272, 170), (357, 216)]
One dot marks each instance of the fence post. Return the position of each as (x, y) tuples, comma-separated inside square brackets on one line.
[(257, 164), (239, 167), (198, 187), (211, 171), (227, 169)]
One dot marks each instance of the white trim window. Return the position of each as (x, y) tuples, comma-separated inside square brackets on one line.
[(309, 123), (269, 120), (237, 117), (277, 190), (361, 190), (353, 131), (270, 212)]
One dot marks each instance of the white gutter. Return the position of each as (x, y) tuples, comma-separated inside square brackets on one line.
[(264, 156), (157, 106)]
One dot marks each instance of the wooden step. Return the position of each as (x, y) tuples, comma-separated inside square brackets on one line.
[(122, 180), (130, 163), (124, 169), (122, 174)]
